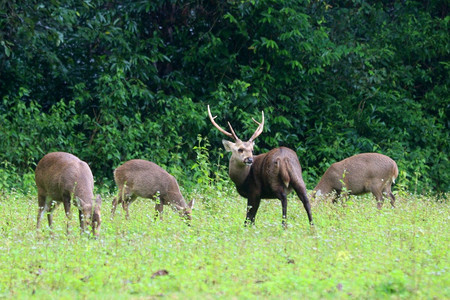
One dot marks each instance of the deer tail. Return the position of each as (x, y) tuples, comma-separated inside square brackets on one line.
[(395, 172), (284, 171)]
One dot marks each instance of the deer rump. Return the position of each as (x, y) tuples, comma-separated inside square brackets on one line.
[(273, 173)]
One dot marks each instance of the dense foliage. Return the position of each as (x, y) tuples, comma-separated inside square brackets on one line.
[(115, 80)]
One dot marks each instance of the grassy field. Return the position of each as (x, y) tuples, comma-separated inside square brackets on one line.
[(353, 251)]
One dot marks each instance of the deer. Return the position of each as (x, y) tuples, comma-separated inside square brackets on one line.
[(271, 175), (62, 178), (360, 174), (145, 179)]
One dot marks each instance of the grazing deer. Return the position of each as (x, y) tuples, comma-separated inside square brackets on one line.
[(62, 177), (360, 174), (142, 178), (270, 175)]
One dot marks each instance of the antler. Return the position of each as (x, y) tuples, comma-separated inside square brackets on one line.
[(231, 135), (259, 130)]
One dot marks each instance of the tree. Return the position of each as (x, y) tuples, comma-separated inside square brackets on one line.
[(110, 81)]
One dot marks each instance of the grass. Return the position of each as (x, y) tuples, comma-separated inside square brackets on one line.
[(354, 251)]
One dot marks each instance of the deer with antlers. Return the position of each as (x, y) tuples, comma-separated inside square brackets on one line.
[(265, 176)]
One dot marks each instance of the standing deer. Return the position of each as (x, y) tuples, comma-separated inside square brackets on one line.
[(62, 177), (270, 175), (360, 174), (141, 178)]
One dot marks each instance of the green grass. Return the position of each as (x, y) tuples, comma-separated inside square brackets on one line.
[(354, 251)]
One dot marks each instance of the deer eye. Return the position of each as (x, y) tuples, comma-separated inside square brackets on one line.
[(240, 150)]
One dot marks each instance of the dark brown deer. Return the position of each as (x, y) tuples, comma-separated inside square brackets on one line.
[(265, 176), (142, 178), (63, 177), (359, 174)]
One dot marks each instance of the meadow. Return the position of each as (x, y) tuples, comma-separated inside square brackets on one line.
[(354, 251)]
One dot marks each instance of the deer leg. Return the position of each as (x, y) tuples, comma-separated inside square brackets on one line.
[(387, 192), (117, 200), (252, 209), (300, 189), (125, 208), (126, 202), (114, 206), (392, 199), (335, 196), (66, 202), (380, 199), (283, 197), (159, 210), (284, 210), (53, 205), (43, 207), (82, 218)]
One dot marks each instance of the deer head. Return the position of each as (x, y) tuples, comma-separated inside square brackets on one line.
[(242, 152)]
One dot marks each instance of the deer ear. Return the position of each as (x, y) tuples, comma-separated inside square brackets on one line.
[(191, 204), (228, 145)]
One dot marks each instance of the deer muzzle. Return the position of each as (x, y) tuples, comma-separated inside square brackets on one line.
[(248, 161)]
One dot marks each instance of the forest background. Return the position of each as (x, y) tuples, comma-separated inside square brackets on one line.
[(114, 80)]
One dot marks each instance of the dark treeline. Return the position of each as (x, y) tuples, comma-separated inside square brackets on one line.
[(113, 80)]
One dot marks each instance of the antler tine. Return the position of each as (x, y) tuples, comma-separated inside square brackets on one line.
[(232, 131), (231, 135), (260, 128)]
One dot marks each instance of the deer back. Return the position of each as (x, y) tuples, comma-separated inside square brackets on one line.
[(60, 173), (146, 179), (359, 173)]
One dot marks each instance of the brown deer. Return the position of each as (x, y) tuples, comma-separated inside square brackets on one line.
[(63, 177), (360, 174), (142, 178), (270, 175)]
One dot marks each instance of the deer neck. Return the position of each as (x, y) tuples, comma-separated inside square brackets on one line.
[(238, 172)]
